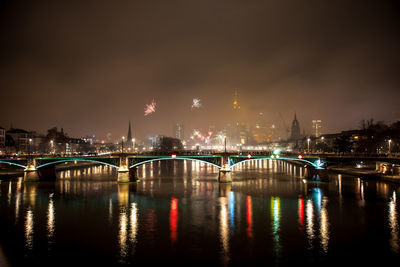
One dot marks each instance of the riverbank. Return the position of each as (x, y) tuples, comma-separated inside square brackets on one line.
[(366, 174)]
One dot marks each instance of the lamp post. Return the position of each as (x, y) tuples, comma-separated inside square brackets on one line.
[(52, 146), (30, 143), (390, 142), (123, 138), (308, 145), (133, 145)]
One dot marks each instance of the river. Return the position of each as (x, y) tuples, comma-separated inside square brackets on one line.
[(178, 213)]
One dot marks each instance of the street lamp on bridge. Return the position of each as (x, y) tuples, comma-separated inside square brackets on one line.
[(389, 142), (52, 146), (29, 147), (308, 145), (122, 143)]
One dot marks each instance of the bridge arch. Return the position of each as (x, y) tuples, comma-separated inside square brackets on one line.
[(318, 164), (13, 163), (171, 158), (55, 162)]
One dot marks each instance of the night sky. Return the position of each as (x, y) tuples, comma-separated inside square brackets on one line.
[(91, 66)]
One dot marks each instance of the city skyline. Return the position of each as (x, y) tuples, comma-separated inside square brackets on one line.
[(90, 68)]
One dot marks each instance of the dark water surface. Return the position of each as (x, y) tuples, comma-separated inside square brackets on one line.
[(178, 213)]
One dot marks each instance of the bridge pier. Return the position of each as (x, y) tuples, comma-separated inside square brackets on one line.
[(314, 174), (125, 174), (224, 176), (31, 175)]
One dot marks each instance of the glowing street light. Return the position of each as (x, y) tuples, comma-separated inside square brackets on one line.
[(308, 145), (133, 144), (30, 143), (390, 142), (122, 143), (52, 146)]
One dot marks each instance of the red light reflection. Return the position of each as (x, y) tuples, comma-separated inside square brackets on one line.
[(249, 213), (173, 220)]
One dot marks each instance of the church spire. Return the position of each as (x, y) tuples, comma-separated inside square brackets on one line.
[(129, 139), (295, 129)]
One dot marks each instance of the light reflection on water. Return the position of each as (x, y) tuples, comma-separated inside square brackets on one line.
[(324, 225), (276, 217), (394, 225), (51, 216), (224, 228), (310, 223), (29, 229), (185, 211)]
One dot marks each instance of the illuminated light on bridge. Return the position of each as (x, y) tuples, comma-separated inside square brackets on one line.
[(319, 164), (173, 156), (277, 151), (300, 156), (249, 156)]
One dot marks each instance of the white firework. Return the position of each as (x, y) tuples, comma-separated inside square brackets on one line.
[(196, 103)]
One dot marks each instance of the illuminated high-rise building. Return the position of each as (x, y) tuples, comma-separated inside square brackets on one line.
[(316, 126), (260, 133), (178, 131), (237, 132), (236, 105)]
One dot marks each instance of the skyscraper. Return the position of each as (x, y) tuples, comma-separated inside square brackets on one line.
[(316, 126), (295, 129), (236, 105), (178, 131)]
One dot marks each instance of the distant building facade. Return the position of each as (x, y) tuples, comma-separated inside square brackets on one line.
[(18, 140), (260, 132), (316, 127), (2, 139), (165, 144)]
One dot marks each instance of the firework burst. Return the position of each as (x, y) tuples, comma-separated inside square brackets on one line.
[(150, 108), (196, 103)]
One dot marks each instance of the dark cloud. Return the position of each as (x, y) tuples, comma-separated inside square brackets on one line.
[(90, 66)]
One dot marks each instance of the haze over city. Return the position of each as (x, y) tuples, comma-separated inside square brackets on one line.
[(199, 132), (92, 66)]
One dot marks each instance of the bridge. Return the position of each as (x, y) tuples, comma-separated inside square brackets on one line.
[(43, 168)]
